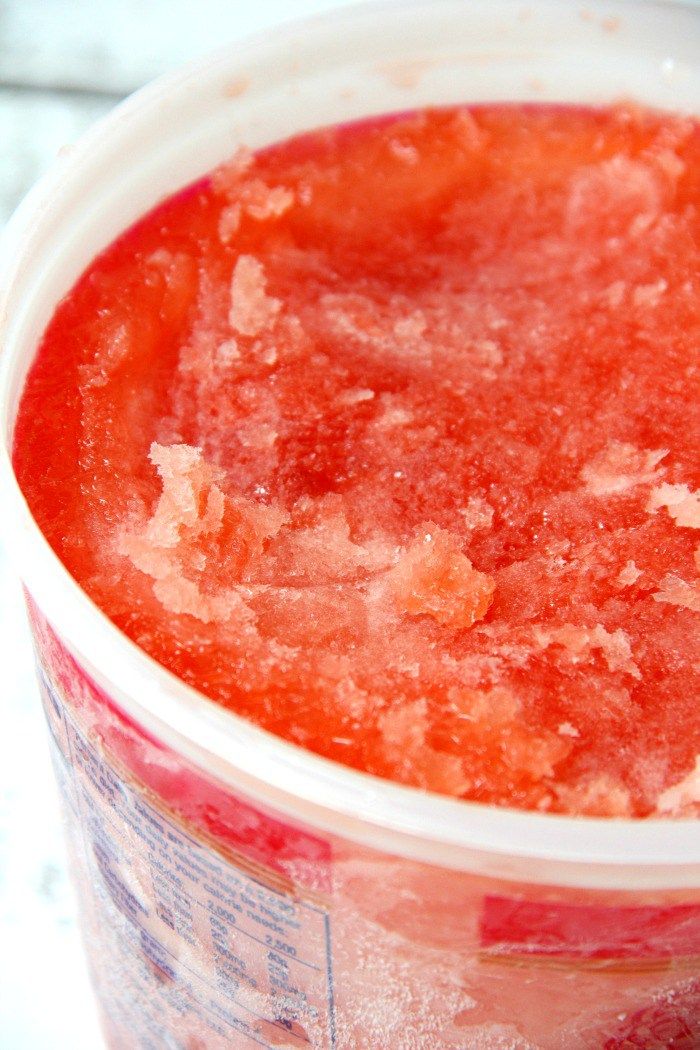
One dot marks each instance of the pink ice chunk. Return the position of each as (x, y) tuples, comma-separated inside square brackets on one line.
[(619, 467), (579, 641), (179, 595), (478, 514), (262, 202), (628, 575), (650, 294), (404, 730), (393, 414), (612, 194), (682, 798), (491, 720), (320, 546), (614, 294), (682, 504), (600, 796), (113, 350), (485, 352), (675, 591), (255, 199), (252, 309), (229, 222), (496, 707), (434, 578), (227, 177), (355, 396), (411, 327), (198, 542), (191, 498), (404, 152), (227, 353)]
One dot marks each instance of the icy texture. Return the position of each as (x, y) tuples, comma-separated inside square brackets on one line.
[(620, 467), (433, 578), (676, 591), (251, 309), (387, 439), (198, 539), (683, 799), (628, 575), (682, 504)]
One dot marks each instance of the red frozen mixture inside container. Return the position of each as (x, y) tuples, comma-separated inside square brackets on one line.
[(386, 438)]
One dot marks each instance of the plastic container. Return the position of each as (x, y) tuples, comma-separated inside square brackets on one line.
[(235, 890)]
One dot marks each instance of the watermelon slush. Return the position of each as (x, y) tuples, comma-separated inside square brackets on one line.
[(384, 440)]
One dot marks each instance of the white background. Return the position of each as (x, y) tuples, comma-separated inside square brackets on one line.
[(63, 64)]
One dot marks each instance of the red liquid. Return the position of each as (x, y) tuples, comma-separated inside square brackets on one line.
[(424, 393)]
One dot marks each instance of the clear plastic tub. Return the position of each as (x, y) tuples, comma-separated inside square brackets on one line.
[(235, 890)]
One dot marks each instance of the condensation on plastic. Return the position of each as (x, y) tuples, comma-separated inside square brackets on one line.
[(236, 891)]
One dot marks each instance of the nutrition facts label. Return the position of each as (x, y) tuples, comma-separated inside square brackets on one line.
[(189, 949)]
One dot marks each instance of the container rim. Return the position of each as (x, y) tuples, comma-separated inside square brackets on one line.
[(556, 849)]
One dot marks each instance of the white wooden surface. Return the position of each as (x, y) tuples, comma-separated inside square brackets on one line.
[(63, 64)]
